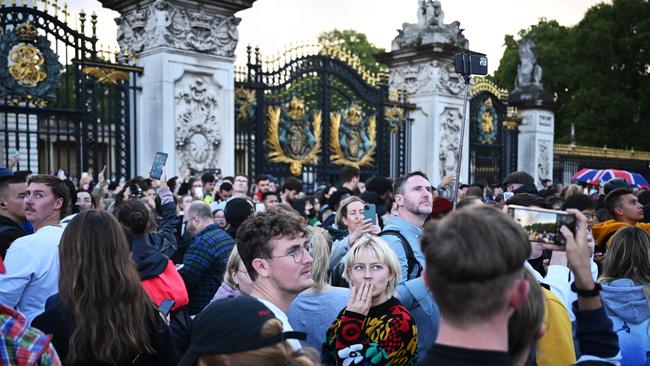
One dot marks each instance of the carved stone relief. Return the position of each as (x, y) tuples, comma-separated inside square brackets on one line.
[(164, 24), (449, 82), (197, 130), (543, 165), (414, 79), (450, 122)]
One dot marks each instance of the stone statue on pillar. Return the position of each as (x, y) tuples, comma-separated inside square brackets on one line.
[(430, 28), (529, 72)]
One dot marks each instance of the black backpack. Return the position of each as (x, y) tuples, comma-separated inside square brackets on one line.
[(336, 276)]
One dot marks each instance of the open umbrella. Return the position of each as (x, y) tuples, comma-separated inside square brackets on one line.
[(602, 176)]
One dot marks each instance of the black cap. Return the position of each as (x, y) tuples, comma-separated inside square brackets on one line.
[(616, 183), (229, 326)]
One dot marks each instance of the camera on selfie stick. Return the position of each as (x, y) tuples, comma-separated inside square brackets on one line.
[(466, 64)]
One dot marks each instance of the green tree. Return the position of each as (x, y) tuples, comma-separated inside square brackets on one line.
[(598, 70), (356, 43)]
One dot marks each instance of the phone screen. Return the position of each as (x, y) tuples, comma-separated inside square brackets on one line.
[(166, 306), (541, 225), (370, 212), (158, 163)]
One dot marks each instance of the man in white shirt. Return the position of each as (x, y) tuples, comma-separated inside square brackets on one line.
[(32, 261), (273, 246)]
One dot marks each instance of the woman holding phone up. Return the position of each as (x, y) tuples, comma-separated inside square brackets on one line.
[(350, 216)]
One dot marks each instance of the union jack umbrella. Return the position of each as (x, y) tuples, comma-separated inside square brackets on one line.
[(602, 176)]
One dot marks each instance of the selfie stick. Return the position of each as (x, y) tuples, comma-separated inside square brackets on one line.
[(466, 76)]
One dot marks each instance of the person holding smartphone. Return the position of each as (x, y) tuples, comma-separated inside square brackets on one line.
[(349, 217)]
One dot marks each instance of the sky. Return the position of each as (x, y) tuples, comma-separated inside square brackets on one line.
[(275, 24)]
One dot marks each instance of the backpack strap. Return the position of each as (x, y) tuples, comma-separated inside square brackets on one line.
[(412, 262), (5, 228)]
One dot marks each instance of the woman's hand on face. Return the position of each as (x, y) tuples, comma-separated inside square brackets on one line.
[(361, 298)]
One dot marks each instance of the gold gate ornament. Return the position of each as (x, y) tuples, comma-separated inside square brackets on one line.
[(354, 118), (296, 112)]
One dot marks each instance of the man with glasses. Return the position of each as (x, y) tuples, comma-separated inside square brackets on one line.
[(273, 246), (205, 261)]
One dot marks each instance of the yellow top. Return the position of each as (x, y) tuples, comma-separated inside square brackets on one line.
[(556, 345)]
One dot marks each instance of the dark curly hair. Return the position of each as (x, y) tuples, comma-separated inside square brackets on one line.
[(255, 236)]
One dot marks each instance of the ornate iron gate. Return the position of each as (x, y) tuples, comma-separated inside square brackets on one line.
[(313, 110), (493, 134), (63, 103)]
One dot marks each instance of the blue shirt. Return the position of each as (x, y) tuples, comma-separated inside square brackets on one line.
[(327, 306), (412, 233)]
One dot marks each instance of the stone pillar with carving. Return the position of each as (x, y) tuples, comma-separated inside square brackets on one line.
[(421, 63), (186, 107), (536, 131)]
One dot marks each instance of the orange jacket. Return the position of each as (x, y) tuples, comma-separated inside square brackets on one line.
[(604, 231)]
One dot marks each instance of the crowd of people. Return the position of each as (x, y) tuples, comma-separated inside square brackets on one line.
[(204, 269)]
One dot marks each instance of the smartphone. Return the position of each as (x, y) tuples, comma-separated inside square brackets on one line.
[(542, 225), (15, 153), (158, 163), (507, 196), (198, 192), (166, 306), (370, 212)]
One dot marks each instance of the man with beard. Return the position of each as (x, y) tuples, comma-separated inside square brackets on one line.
[(413, 197), (204, 262), (275, 249), (12, 210), (32, 261)]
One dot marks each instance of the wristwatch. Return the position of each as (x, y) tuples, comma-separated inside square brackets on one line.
[(587, 293)]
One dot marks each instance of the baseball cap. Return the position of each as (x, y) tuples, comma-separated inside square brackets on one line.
[(229, 326)]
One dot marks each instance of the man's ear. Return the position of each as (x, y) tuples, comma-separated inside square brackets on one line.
[(58, 203), (518, 293), (618, 211), (261, 267), (3, 204), (399, 199)]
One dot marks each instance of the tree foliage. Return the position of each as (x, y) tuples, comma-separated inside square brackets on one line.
[(356, 43), (598, 70)]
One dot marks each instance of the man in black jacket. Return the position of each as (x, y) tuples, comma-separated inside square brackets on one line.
[(12, 210)]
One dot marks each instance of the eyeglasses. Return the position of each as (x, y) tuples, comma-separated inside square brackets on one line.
[(298, 253), (188, 220)]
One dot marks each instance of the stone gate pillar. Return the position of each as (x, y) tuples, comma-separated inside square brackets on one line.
[(536, 131), (186, 107), (421, 63)]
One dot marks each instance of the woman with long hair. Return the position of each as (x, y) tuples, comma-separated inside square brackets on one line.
[(626, 292), (103, 316), (374, 328), (322, 299)]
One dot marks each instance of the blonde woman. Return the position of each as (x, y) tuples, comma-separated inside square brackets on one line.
[(374, 328), (322, 299), (235, 279), (626, 292)]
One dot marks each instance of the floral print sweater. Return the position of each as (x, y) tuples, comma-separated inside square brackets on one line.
[(386, 336)]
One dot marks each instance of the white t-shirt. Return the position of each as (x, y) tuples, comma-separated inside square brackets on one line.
[(32, 264), (286, 327)]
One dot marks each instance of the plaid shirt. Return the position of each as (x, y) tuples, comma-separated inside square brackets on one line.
[(22, 345), (204, 264)]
